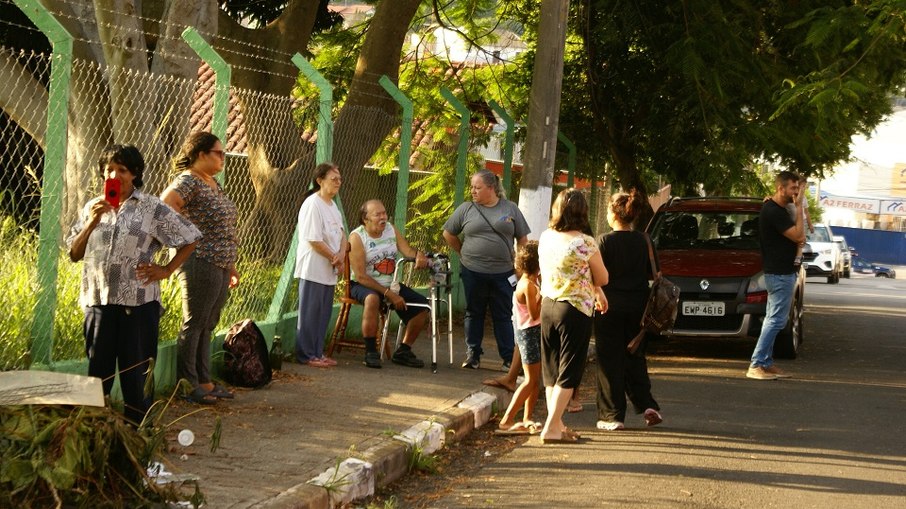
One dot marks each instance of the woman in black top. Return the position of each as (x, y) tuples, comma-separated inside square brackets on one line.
[(621, 374)]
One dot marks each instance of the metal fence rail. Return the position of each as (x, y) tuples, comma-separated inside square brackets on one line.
[(108, 104)]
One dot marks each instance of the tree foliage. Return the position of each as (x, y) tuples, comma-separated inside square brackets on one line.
[(698, 92)]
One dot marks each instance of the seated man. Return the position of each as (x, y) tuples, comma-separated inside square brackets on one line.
[(372, 258)]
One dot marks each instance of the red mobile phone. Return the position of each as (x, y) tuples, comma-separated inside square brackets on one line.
[(112, 192)]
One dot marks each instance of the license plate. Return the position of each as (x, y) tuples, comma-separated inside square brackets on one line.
[(693, 308)]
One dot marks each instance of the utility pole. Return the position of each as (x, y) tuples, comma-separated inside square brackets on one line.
[(543, 117)]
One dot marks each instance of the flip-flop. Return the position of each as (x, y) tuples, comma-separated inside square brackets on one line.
[(572, 433), (493, 382), (221, 392), (517, 429), (572, 409), (565, 439), (200, 396)]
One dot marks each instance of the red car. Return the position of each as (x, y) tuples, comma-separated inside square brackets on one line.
[(709, 247)]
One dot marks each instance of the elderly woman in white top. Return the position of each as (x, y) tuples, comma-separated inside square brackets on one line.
[(319, 258)]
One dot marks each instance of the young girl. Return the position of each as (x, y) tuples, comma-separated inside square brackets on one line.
[(527, 315)]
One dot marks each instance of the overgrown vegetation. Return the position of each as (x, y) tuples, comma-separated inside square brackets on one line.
[(18, 297), (421, 461), (72, 456)]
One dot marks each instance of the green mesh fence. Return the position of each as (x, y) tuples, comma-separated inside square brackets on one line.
[(268, 166)]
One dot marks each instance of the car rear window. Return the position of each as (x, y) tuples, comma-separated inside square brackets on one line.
[(819, 235), (706, 230)]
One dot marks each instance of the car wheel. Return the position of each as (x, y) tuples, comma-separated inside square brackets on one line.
[(833, 279), (883, 275), (786, 345), (846, 274)]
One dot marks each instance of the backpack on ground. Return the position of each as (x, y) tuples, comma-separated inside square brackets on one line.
[(246, 360)]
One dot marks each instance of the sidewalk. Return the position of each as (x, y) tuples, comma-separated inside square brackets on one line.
[(308, 420)]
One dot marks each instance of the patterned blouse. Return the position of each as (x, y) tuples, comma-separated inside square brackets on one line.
[(212, 211), (122, 240), (565, 273)]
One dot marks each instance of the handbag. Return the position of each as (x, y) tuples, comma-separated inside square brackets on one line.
[(663, 303)]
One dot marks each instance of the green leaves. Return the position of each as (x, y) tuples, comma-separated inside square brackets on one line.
[(699, 92)]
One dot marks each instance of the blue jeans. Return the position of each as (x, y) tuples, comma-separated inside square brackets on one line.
[(780, 297), (483, 290)]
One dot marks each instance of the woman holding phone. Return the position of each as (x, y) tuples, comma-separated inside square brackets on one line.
[(120, 292), (210, 271)]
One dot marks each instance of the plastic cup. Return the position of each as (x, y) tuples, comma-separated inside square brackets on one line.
[(185, 437)]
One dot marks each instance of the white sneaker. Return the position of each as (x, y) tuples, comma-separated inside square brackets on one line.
[(610, 425)]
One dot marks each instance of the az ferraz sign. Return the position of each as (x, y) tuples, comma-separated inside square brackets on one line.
[(865, 205)]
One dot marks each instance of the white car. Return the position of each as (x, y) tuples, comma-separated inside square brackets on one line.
[(823, 257), (847, 255)]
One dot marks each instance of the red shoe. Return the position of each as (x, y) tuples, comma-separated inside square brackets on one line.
[(653, 417)]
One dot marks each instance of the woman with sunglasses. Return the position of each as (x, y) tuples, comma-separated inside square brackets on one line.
[(210, 271)]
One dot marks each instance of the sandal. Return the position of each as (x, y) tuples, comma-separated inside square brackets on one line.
[(221, 392), (200, 396), (494, 382), (571, 433), (564, 439), (520, 428)]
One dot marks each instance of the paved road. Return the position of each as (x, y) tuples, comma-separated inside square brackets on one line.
[(831, 437)]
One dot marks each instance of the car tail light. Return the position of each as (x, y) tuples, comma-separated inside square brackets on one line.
[(757, 297), (757, 291)]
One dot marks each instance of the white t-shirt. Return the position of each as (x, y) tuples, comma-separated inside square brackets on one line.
[(318, 221)]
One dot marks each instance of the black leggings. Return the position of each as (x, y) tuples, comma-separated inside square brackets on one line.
[(565, 334), (621, 374)]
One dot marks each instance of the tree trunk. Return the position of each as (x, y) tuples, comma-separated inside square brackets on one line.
[(281, 167), (112, 102), (544, 112), (369, 113)]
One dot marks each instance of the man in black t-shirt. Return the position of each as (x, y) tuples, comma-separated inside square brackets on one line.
[(780, 232)]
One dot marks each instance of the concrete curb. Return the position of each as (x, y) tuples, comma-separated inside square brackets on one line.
[(388, 459)]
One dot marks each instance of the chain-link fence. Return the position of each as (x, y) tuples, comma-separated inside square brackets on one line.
[(269, 160), (268, 165)]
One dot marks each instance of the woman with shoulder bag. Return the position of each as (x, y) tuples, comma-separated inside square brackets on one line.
[(621, 373), (488, 226)]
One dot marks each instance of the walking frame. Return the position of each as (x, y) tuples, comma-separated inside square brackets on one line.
[(440, 290)]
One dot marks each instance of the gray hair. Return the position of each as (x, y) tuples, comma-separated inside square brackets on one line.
[(491, 179)]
